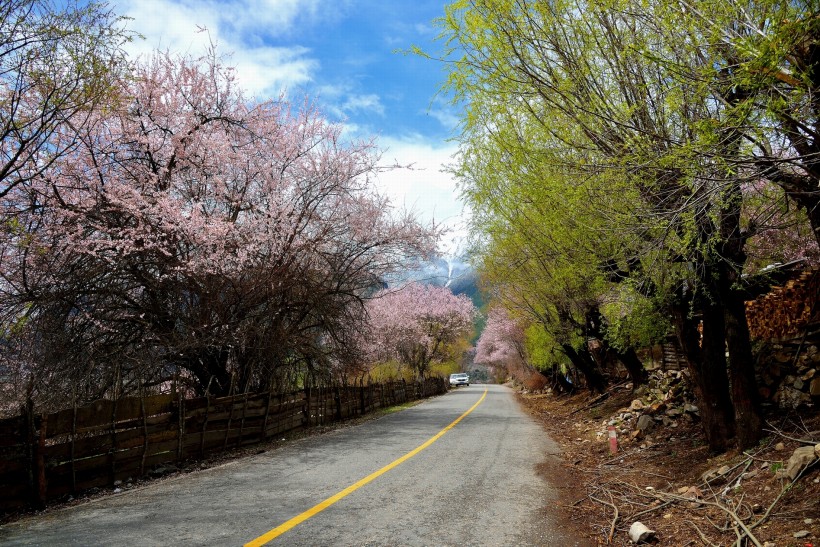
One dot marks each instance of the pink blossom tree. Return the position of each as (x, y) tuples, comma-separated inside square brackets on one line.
[(415, 324), (501, 341), (502, 346), (195, 233)]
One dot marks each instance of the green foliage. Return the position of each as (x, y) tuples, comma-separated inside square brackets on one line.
[(634, 320)]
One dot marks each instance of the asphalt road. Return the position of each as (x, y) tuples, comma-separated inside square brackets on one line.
[(474, 485)]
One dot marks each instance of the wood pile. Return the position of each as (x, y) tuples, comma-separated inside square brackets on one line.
[(786, 311)]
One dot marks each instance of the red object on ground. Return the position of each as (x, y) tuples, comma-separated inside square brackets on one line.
[(613, 439)]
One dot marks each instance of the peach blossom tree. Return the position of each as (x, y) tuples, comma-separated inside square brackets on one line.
[(193, 233), (415, 324)]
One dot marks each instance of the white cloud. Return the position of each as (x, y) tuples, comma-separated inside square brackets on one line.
[(425, 187), (368, 103), (339, 101), (238, 29)]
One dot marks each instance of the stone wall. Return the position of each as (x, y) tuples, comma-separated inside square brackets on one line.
[(788, 371)]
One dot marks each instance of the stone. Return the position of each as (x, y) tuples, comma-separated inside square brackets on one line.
[(779, 446), (645, 422), (715, 473), (800, 459), (782, 357), (801, 534)]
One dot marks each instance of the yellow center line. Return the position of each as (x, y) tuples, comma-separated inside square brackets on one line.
[(282, 528)]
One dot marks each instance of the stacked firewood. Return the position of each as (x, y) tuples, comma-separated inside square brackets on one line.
[(787, 310)]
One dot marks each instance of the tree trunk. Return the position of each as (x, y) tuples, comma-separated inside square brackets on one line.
[(729, 265), (745, 396), (584, 362), (630, 360), (707, 366), (634, 365)]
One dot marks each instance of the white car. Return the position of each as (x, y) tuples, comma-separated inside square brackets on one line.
[(459, 379)]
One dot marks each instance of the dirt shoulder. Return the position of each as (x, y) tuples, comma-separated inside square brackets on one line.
[(663, 476)]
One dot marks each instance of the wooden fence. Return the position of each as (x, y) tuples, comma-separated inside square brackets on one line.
[(46, 456)]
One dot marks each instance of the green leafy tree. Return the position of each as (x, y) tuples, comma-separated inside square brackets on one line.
[(59, 63), (634, 104)]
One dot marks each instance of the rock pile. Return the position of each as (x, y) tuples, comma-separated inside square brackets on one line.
[(789, 376), (664, 401)]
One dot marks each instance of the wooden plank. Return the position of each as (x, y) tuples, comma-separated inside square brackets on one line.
[(98, 414), (14, 465), (93, 445), (15, 496), (11, 430), (101, 463)]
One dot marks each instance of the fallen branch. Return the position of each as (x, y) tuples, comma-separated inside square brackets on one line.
[(615, 518), (701, 534), (781, 434)]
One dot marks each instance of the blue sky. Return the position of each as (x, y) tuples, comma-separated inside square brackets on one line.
[(342, 54)]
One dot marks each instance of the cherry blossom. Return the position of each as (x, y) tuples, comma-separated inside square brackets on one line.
[(194, 233), (415, 324)]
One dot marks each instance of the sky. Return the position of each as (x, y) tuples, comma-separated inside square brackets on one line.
[(346, 56)]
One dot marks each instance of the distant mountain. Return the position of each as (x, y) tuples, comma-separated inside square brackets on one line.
[(454, 273)]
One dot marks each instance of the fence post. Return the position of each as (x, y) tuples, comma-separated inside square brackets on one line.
[(73, 443), (26, 431), (264, 434), (113, 451), (42, 485), (242, 422), (144, 433), (181, 427), (204, 425), (306, 408), (337, 399), (35, 442)]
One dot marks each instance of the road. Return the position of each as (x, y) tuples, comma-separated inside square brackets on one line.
[(475, 484)]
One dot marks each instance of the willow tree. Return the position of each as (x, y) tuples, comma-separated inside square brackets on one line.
[(541, 243), (630, 98), (59, 64)]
